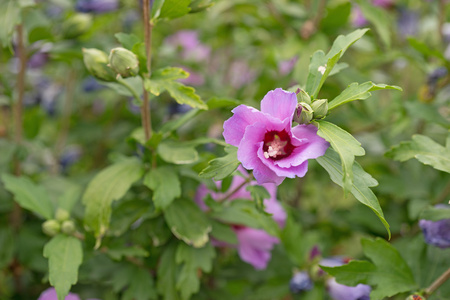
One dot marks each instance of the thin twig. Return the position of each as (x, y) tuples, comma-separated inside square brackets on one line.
[(145, 108), (234, 191), (437, 283), (442, 196)]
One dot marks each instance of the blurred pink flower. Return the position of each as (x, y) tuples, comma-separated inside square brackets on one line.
[(286, 66), (50, 294), (195, 78), (240, 74), (191, 47), (268, 144)]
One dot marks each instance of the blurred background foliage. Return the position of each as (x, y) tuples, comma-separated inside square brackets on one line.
[(75, 126)]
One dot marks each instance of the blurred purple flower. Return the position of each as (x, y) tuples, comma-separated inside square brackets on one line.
[(96, 6), (339, 291), (191, 47), (408, 23), (266, 141), (286, 66), (357, 17), (254, 245), (90, 84), (50, 294), (240, 74), (300, 282), (195, 78), (437, 233), (70, 156)]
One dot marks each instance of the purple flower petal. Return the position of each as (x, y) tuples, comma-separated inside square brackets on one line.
[(290, 172), (436, 233), (342, 292), (234, 127), (255, 246), (279, 104), (50, 294)]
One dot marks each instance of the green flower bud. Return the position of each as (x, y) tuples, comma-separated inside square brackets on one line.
[(68, 227), (320, 108), (124, 62), (303, 114), (76, 25), (96, 62), (51, 227), (62, 215), (303, 96)]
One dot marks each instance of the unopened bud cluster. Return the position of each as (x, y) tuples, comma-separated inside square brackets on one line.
[(120, 62), (308, 110), (61, 223)]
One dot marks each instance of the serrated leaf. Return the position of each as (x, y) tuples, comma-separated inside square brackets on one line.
[(164, 183), (187, 222), (322, 65), (360, 186), (29, 195), (127, 40), (424, 150), (165, 79), (222, 167), (172, 9), (357, 91), (110, 184), (178, 153), (353, 273), (167, 272), (65, 255), (392, 274), (193, 260), (345, 145)]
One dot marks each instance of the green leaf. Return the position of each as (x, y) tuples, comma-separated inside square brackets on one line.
[(223, 232), (127, 40), (177, 152), (258, 194), (141, 286), (9, 17), (392, 274), (379, 18), (345, 145), (360, 186), (164, 79), (290, 236), (172, 9), (193, 259), (357, 91), (217, 102), (7, 240), (424, 150), (29, 195), (173, 125), (427, 112), (388, 272), (65, 255), (425, 49), (187, 222), (117, 253), (434, 214), (70, 197), (164, 183), (167, 273), (222, 167), (110, 184)]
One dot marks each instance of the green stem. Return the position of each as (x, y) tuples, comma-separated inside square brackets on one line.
[(437, 283), (234, 191), (128, 87), (145, 108)]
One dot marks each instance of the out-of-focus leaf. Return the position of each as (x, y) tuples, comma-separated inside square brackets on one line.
[(167, 274), (424, 150), (425, 49), (337, 16), (29, 195), (388, 272), (193, 260), (9, 17), (187, 222), (120, 252), (110, 184), (137, 282), (427, 112), (70, 197), (290, 236), (200, 5), (357, 91), (173, 125), (177, 153), (165, 184), (434, 214), (65, 255), (322, 65), (217, 102), (222, 167), (345, 145), (127, 40), (172, 9), (379, 18), (258, 193), (223, 232), (361, 183), (7, 248)]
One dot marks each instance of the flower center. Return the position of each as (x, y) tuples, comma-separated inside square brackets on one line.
[(277, 145)]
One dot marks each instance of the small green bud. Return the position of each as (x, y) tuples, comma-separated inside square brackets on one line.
[(320, 108), (303, 96), (68, 227), (51, 227), (124, 62), (76, 25), (62, 215), (96, 62), (303, 114)]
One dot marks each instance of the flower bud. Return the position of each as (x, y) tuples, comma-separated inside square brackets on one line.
[(124, 62), (51, 227), (76, 25), (96, 62), (303, 96), (320, 108), (68, 227), (416, 297), (62, 215), (303, 114)]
